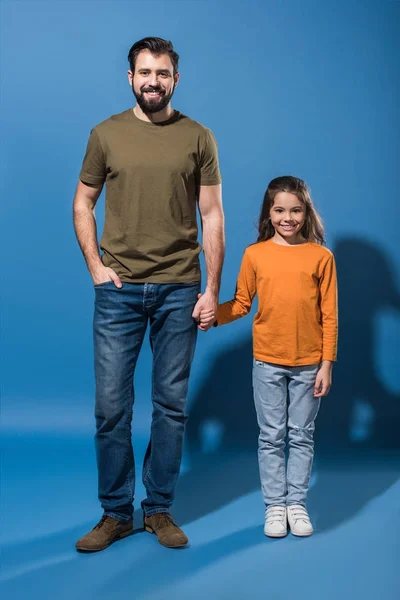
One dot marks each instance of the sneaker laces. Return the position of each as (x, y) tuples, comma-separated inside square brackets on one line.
[(275, 513), (299, 513)]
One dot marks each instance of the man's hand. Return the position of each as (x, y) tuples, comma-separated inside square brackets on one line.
[(205, 311), (103, 274), (323, 380)]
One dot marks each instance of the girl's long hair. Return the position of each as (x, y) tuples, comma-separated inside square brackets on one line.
[(312, 230)]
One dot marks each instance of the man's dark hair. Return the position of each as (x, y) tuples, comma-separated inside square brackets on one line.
[(157, 47)]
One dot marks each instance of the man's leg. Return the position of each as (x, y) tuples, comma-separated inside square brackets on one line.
[(119, 328), (173, 334)]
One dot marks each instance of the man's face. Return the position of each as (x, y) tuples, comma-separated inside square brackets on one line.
[(153, 82)]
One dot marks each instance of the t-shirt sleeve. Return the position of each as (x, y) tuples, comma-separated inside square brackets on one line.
[(94, 164), (209, 173)]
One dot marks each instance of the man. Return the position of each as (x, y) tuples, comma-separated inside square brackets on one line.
[(157, 165)]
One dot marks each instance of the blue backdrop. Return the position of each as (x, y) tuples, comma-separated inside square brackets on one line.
[(305, 88), (308, 89)]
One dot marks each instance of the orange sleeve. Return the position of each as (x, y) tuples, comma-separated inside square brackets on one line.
[(329, 311), (244, 294)]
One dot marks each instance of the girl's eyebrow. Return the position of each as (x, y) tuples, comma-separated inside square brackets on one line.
[(297, 206)]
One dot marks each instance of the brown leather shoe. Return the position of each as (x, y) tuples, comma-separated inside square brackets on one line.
[(167, 532), (107, 531)]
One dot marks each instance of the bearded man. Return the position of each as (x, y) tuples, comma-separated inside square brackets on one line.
[(158, 166)]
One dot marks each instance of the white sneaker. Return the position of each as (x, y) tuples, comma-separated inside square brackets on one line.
[(275, 521), (299, 521)]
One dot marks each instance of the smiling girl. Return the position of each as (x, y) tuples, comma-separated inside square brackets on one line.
[(294, 344)]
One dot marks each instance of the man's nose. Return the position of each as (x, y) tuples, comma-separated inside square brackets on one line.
[(153, 81)]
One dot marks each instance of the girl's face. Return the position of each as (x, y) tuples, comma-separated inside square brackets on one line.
[(287, 215)]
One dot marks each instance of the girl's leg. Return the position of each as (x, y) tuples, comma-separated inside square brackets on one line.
[(303, 409), (270, 398)]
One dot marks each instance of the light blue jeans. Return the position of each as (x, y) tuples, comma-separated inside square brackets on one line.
[(286, 407)]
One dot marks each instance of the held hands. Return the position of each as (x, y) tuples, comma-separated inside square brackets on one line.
[(103, 274), (205, 311), (323, 381)]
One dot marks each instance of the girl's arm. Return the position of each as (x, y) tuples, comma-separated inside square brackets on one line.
[(244, 294), (329, 312), (328, 291)]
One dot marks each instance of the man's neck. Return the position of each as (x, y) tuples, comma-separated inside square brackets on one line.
[(157, 117)]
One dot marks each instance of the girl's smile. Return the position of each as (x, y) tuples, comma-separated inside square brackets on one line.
[(287, 216)]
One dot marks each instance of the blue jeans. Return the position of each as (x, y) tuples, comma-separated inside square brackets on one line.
[(120, 321), (285, 405)]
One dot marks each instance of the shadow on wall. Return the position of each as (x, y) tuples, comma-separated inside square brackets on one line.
[(360, 412), (222, 430)]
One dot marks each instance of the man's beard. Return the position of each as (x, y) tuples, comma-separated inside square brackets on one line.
[(153, 105)]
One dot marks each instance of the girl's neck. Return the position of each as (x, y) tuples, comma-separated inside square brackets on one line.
[(281, 241)]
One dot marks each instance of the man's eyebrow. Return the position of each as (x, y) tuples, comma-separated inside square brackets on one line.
[(157, 70)]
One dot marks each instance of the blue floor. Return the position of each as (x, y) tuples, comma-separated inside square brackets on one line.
[(49, 501)]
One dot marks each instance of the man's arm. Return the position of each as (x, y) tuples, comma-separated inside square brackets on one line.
[(86, 232), (212, 218)]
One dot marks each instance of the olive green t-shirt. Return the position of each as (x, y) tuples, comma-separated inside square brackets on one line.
[(152, 174)]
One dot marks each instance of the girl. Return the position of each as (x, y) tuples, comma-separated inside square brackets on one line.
[(294, 343)]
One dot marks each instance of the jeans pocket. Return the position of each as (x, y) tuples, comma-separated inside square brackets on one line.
[(101, 285)]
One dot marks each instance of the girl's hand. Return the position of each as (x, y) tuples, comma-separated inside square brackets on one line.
[(205, 312), (207, 319), (323, 381)]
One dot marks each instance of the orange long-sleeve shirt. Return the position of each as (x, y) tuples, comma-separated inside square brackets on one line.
[(296, 321)]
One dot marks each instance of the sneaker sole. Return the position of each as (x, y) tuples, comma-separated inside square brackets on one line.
[(149, 530), (121, 536), (276, 535), (301, 534)]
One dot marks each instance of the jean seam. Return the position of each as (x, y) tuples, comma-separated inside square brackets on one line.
[(151, 430), (129, 434), (149, 469)]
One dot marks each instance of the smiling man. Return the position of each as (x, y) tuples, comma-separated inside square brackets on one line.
[(158, 166)]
